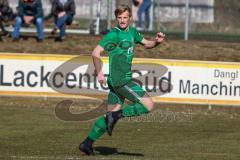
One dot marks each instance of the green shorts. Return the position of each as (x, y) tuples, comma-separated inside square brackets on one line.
[(131, 91)]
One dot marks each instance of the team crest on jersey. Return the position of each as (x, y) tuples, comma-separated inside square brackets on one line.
[(110, 46), (124, 45)]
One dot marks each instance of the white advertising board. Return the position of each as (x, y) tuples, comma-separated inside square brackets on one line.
[(74, 76)]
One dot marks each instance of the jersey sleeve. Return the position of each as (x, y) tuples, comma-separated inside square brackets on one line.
[(109, 41), (137, 36)]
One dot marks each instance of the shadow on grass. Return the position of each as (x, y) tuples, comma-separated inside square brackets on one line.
[(113, 151)]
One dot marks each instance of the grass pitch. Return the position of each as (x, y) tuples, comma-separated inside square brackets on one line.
[(30, 130)]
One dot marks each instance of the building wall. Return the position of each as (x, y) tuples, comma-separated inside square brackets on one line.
[(170, 10)]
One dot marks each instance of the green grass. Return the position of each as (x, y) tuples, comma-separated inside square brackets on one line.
[(205, 36), (30, 130)]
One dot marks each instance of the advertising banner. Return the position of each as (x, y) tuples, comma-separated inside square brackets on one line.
[(171, 81)]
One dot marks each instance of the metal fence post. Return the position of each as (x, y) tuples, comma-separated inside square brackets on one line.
[(186, 20), (109, 15), (98, 17), (151, 16)]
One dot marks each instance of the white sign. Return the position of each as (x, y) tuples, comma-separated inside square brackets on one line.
[(174, 10), (179, 81)]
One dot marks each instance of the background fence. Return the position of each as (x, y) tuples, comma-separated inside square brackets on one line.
[(205, 16)]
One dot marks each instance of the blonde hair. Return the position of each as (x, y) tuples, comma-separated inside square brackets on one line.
[(122, 8)]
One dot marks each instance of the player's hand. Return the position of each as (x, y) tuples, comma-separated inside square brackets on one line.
[(160, 37), (101, 78)]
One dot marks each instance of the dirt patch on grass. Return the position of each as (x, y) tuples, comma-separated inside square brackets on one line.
[(171, 49)]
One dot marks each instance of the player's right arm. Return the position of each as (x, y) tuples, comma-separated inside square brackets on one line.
[(98, 64)]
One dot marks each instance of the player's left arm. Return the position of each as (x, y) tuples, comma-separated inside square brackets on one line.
[(153, 43)]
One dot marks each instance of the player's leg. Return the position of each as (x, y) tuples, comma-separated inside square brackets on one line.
[(115, 103), (100, 126), (97, 131), (143, 106), (142, 103)]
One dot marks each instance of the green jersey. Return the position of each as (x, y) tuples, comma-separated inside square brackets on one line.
[(120, 45)]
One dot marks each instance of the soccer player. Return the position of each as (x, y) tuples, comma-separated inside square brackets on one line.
[(119, 43)]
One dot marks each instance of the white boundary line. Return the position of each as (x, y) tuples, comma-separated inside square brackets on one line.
[(48, 30)]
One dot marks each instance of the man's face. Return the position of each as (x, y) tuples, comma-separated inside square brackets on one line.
[(123, 19)]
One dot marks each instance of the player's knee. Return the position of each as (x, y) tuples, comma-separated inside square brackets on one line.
[(114, 107), (149, 104)]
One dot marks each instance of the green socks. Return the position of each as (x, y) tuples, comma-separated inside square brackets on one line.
[(98, 129), (134, 110)]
